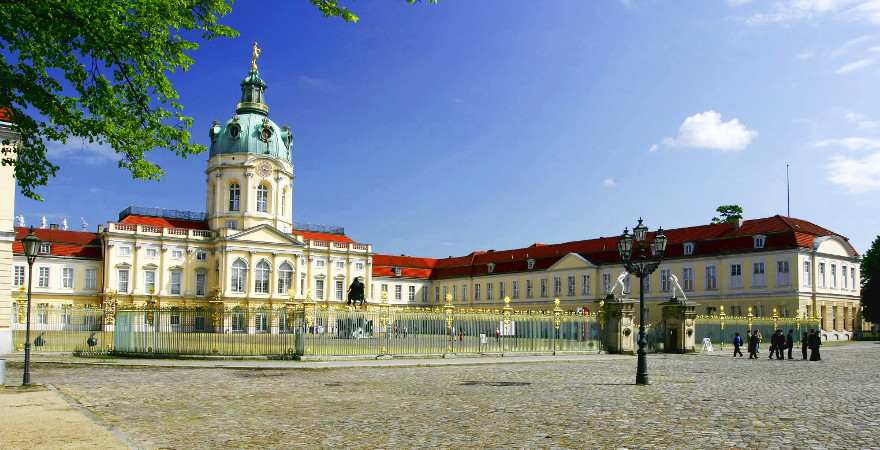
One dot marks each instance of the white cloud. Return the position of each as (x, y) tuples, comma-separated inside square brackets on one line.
[(653, 148), (805, 55), (796, 10), (851, 44), (736, 3), (855, 174), (82, 152), (859, 120), (854, 66), (707, 130), (609, 182), (851, 143)]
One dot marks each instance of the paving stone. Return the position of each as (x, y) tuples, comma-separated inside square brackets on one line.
[(695, 402)]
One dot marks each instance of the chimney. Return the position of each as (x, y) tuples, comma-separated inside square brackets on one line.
[(53, 226), (738, 223)]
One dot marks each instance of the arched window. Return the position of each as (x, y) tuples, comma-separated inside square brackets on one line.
[(262, 198), (261, 278), (239, 276), (285, 278), (234, 197)]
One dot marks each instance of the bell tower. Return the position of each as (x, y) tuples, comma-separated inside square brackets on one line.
[(250, 169)]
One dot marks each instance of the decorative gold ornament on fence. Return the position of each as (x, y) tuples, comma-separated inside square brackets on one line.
[(448, 308), (557, 314), (109, 307), (775, 319), (749, 318), (507, 310), (216, 307)]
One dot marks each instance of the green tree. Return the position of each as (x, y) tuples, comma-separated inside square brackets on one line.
[(871, 283), (97, 70), (729, 213)]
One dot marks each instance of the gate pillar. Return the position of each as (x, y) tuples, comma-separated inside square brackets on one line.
[(679, 324), (619, 326)]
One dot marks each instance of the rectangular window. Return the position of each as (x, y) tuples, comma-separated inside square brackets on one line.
[(91, 278), (783, 277), (175, 282), (852, 277), (821, 275), (464, 293), (665, 285), (232, 224), (688, 278), (476, 292), (501, 290), (45, 248), (585, 284), (152, 252), (647, 283), (122, 280), (424, 294), (43, 277), (808, 275), (150, 281), (736, 279), (359, 266), (65, 315), (340, 265), (319, 289), (488, 291), (454, 292), (571, 285), (201, 255), (514, 287), (411, 293), (606, 283), (238, 322), (340, 290), (43, 313), (843, 277), (758, 275), (67, 277), (834, 276), (626, 284), (18, 276), (302, 284), (261, 323), (319, 263), (543, 287), (124, 250), (436, 294), (529, 289), (176, 254), (557, 286), (445, 291), (398, 292), (201, 281), (711, 278)]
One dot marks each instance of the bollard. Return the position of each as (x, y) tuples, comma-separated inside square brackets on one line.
[(2, 372)]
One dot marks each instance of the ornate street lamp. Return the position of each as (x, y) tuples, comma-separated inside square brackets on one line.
[(31, 245), (641, 258)]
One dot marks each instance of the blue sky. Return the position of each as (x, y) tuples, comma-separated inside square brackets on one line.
[(435, 130)]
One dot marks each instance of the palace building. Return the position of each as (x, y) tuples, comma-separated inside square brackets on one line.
[(246, 250)]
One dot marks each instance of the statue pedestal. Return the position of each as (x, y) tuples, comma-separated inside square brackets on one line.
[(679, 325), (618, 325)]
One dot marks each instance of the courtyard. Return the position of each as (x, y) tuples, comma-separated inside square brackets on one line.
[(696, 401)]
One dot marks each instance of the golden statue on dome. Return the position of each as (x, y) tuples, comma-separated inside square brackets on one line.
[(255, 53)]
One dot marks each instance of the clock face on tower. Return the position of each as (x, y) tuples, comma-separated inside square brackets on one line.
[(264, 170)]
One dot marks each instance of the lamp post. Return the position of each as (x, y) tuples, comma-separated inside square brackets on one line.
[(641, 258), (31, 245)]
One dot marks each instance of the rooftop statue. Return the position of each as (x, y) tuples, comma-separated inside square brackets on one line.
[(255, 53)]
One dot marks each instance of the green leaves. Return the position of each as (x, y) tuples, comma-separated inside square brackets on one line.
[(729, 213), (97, 71)]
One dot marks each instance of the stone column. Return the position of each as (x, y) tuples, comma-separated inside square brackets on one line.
[(619, 330), (679, 325), (8, 140)]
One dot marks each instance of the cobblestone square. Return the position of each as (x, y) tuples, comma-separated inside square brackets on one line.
[(696, 401)]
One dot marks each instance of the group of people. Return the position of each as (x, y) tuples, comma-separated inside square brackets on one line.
[(779, 342)]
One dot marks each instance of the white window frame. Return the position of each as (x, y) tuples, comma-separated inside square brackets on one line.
[(262, 277), (151, 252), (175, 282), (759, 274), (340, 265), (808, 274), (687, 277), (543, 287), (18, 277), (238, 276), (149, 280), (736, 276), (91, 279), (530, 264), (67, 277), (122, 282), (340, 290), (398, 292), (822, 280), (201, 286), (489, 295), (585, 281), (232, 224), (43, 277), (411, 293), (783, 273), (476, 291), (262, 198), (514, 289), (201, 255), (45, 248), (711, 277), (530, 288), (319, 289), (557, 285), (285, 277), (176, 253), (123, 250), (665, 284), (688, 248), (833, 272), (234, 197), (759, 241), (572, 285)]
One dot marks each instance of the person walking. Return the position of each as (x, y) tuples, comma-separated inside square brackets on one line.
[(753, 345), (737, 343), (815, 343), (789, 342), (805, 337), (760, 339), (780, 344), (773, 342)]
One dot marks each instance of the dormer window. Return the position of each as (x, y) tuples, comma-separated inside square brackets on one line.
[(398, 271), (45, 248), (531, 263), (491, 267), (760, 240), (688, 248)]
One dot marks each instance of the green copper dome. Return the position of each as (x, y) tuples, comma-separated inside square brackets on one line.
[(251, 130)]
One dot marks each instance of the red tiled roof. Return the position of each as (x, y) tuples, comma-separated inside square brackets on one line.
[(713, 239), (318, 236), (78, 244), (165, 223)]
